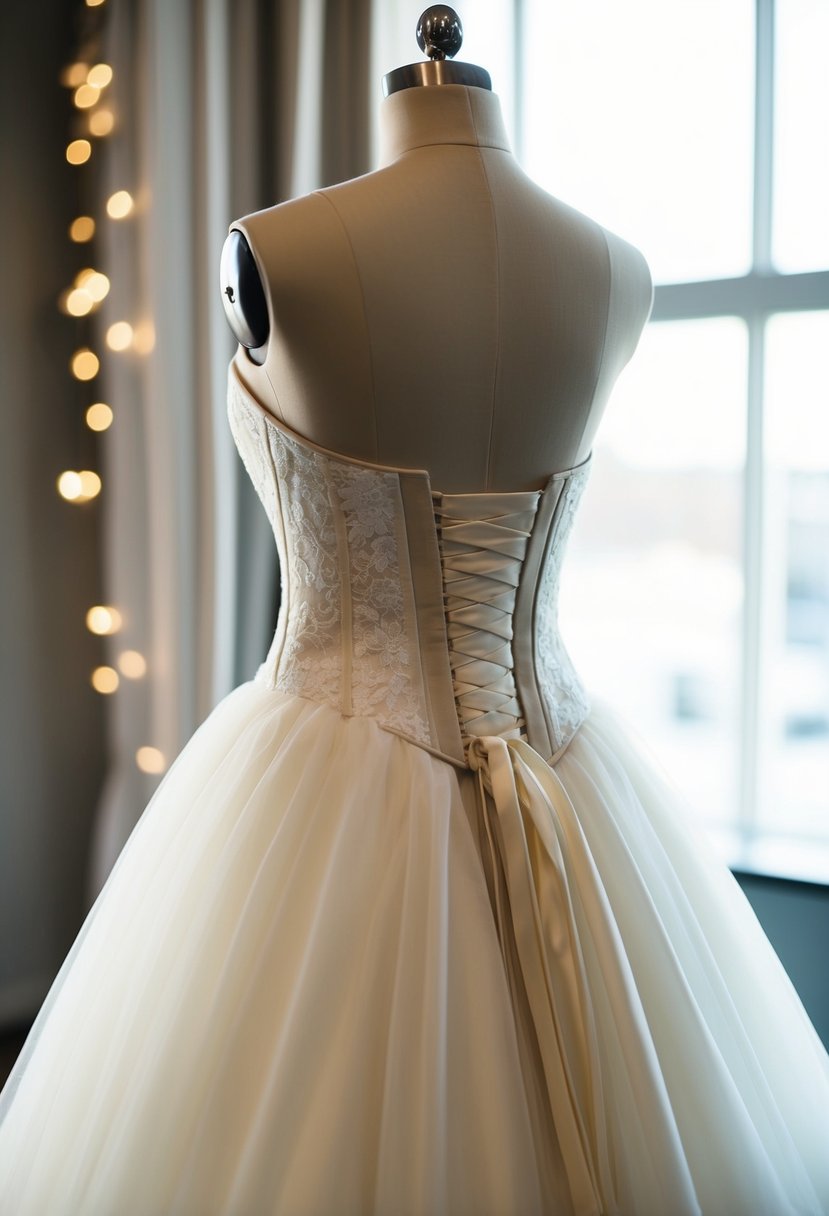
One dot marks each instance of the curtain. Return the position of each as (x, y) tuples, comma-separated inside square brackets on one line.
[(222, 107)]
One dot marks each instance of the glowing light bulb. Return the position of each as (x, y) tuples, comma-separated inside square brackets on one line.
[(132, 663), (96, 285), (119, 204), (103, 619), (101, 122), (143, 338), (82, 229), (78, 151), (105, 679), (99, 76), (85, 364), (90, 484), (119, 335), (69, 485), (79, 302), (93, 3), (150, 760), (74, 74), (86, 95), (98, 416)]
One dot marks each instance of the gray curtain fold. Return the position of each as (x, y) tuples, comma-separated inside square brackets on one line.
[(224, 107)]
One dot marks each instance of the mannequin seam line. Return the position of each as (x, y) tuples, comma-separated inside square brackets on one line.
[(600, 367), (495, 376), (322, 194)]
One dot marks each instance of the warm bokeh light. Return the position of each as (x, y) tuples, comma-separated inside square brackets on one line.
[(99, 76), (95, 284), (90, 483), (86, 95), (85, 364), (119, 204), (82, 229), (132, 663), (150, 760), (94, 3), (78, 151), (79, 302), (74, 75), (98, 416), (119, 335), (105, 679), (69, 485), (101, 122), (103, 619), (143, 339)]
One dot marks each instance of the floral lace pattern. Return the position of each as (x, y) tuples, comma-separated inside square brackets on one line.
[(347, 633), (346, 637), (562, 692), (383, 655)]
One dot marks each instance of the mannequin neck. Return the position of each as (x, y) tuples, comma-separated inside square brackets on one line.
[(440, 114)]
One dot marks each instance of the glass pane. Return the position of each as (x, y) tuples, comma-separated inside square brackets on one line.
[(641, 115), (652, 595), (795, 740), (801, 140)]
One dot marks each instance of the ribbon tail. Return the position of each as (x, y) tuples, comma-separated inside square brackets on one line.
[(521, 813)]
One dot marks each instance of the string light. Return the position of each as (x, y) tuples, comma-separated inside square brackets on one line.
[(99, 76), (74, 75), (99, 416), (143, 340), (119, 335), (105, 679), (133, 665), (82, 229), (150, 760), (85, 364), (94, 282), (78, 151), (79, 302), (90, 484), (86, 95), (101, 122), (120, 204), (103, 619), (69, 485)]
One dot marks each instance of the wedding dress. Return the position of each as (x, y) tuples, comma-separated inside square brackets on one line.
[(408, 927)]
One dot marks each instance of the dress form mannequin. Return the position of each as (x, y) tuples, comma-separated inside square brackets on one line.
[(443, 312)]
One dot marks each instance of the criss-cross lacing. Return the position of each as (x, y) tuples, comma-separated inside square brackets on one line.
[(483, 541)]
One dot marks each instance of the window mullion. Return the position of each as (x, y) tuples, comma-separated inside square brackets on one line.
[(763, 134), (753, 582)]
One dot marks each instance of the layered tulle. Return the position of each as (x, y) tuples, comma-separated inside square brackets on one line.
[(296, 995)]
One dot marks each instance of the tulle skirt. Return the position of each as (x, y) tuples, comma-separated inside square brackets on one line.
[(293, 997)]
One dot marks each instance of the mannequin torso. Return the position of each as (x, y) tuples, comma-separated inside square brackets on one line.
[(443, 312)]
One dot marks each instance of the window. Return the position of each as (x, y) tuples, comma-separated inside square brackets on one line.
[(697, 597)]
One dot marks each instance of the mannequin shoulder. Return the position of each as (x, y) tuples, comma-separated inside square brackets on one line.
[(631, 278), (263, 255)]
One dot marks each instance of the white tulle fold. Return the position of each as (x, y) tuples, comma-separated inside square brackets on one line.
[(296, 994)]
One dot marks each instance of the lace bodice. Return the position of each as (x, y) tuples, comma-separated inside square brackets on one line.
[(435, 614)]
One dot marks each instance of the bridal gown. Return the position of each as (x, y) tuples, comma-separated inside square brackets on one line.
[(408, 927)]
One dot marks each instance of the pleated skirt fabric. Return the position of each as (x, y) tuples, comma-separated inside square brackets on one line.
[(291, 998)]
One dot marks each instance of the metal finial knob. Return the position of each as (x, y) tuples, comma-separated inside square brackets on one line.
[(439, 32)]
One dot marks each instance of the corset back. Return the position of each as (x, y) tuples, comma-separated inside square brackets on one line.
[(434, 614)]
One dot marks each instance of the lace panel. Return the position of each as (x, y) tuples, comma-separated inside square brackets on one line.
[(385, 669), (311, 662), (562, 693)]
